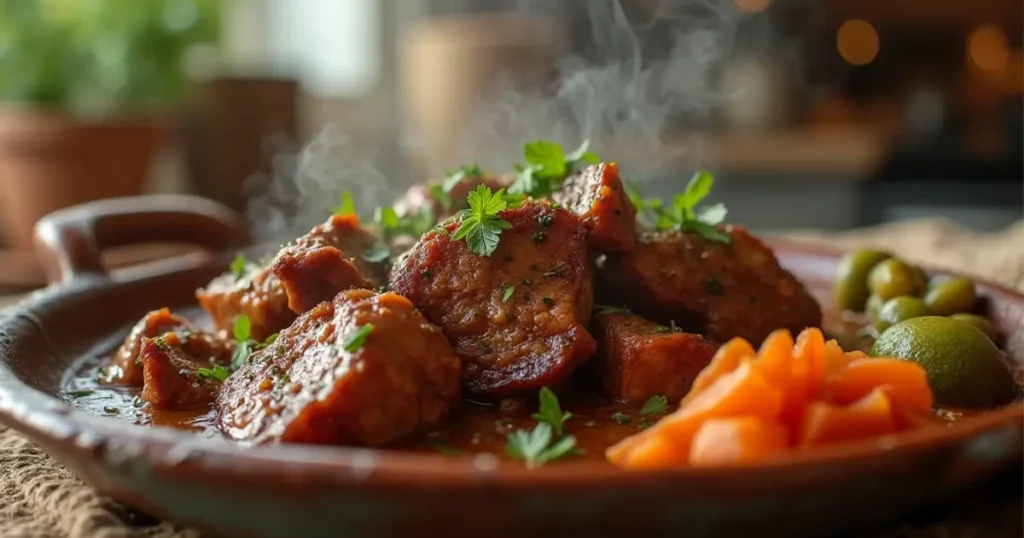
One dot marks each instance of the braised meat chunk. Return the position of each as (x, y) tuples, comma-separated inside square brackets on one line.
[(721, 290), (639, 358), (325, 261), (363, 369), (125, 367), (256, 293), (597, 195), (516, 318), (181, 371)]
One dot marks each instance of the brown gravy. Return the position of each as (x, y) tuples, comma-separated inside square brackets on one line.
[(597, 423)]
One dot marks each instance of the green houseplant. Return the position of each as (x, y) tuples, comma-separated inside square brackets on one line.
[(86, 87)]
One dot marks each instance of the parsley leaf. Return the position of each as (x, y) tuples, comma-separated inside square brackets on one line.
[(551, 412), (218, 372), (606, 309), (243, 328), (377, 253), (656, 405), (355, 339), (456, 176), (480, 224), (621, 418), (346, 205), (238, 266), (507, 290), (386, 218), (535, 447), (437, 192), (547, 165), (682, 213)]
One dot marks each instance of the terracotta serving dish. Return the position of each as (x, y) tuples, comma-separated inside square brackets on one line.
[(313, 491)]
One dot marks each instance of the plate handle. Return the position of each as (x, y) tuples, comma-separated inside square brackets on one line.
[(71, 240)]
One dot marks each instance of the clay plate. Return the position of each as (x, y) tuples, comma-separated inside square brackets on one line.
[(312, 491)]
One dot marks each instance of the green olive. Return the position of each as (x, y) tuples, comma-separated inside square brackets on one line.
[(851, 287), (982, 323), (952, 296), (892, 278), (873, 305), (899, 309)]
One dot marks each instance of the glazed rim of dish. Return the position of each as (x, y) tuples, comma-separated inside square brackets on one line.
[(45, 417)]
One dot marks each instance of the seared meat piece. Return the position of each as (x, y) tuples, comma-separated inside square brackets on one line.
[(639, 358), (596, 194), (325, 261), (258, 294), (721, 290), (518, 317), (178, 369), (318, 384), (424, 197), (125, 368)]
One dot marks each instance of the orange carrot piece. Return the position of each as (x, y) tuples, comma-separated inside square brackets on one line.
[(905, 382), (725, 360), (655, 452), (723, 441), (825, 424), (835, 360), (775, 357), (856, 354), (810, 350)]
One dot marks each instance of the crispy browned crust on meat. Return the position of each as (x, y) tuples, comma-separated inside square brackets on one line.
[(516, 318), (597, 195), (125, 368), (721, 290), (307, 388), (171, 369), (258, 294), (639, 359), (325, 261)]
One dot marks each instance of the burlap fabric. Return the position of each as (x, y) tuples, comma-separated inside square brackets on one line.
[(39, 498)]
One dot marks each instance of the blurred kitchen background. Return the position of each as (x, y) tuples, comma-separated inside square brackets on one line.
[(826, 114)]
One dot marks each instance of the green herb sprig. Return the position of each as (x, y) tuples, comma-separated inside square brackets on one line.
[(346, 204), (551, 412), (655, 405), (354, 340), (238, 267), (244, 344), (682, 213), (547, 165), (535, 448), (480, 225)]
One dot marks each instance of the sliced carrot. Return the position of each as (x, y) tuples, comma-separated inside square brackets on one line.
[(856, 354), (825, 424), (905, 382), (810, 350), (834, 359), (775, 358), (725, 360), (656, 452), (741, 439)]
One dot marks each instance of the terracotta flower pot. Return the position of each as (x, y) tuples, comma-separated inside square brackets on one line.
[(50, 161)]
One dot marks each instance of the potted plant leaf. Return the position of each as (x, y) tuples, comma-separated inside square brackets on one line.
[(87, 90)]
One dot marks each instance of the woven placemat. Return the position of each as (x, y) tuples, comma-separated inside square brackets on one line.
[(39, 498)]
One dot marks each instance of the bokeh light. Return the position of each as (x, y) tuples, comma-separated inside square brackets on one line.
[(987, 48), (857, 42), (752, 6)]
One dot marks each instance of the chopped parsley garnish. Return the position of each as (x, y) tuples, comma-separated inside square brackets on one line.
[(535, 448), (557, 270), (355, 339), (244, 344), (655, 405), (621, 418), (645, 423), (682, 213), (551, 412), (480, 225), (443, 198), (714, 286), (456, 176), (547, 165), (78, 393), (539, 238), (218, 372), (111, 410), (238, 266), (507, 290), (414, 223), (346, 205), (377, 253)]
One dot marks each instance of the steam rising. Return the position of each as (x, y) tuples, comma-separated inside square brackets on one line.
[(638, 77)]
